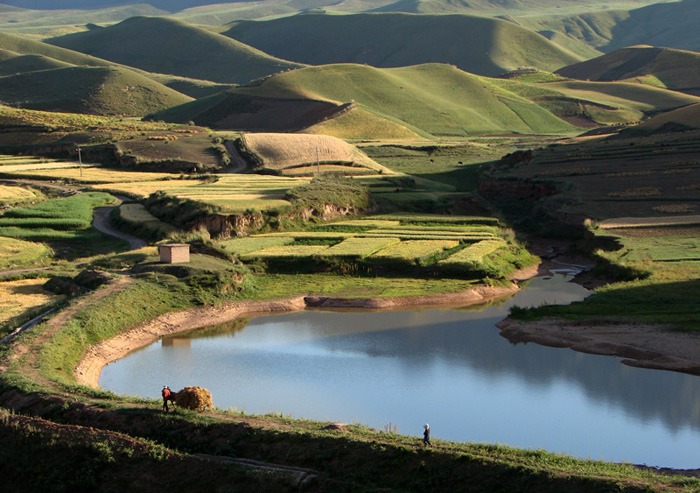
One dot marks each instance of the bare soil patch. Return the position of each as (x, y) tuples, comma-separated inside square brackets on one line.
[(640, 345)]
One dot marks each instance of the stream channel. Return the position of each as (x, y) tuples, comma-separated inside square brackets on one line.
[(446, 367)]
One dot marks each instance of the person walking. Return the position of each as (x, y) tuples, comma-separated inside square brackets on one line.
[(426, 435), (166, 397)]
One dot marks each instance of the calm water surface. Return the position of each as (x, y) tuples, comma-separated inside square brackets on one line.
[(447, 367)]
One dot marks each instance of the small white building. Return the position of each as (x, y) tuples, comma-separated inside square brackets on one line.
[(174, 253)]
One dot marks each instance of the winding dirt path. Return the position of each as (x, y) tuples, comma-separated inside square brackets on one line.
[(101, 222)]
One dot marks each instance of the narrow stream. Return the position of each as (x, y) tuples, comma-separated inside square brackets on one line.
[(446, 367)]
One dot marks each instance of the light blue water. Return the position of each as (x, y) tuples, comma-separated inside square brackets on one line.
[(446, 367)]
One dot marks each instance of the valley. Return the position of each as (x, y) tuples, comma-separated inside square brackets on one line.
[(389, 156)]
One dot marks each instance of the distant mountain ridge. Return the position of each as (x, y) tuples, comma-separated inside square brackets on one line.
[(169, 46), (666, 67), (480, 45)]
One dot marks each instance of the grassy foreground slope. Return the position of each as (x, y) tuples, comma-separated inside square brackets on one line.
[(435, 98), (174, 47), (94, 90), (664, 67), (476, 44)]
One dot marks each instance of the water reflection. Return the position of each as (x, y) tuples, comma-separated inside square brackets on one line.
[(448, 367)]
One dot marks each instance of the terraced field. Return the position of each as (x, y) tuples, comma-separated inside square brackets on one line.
[(454, 247)]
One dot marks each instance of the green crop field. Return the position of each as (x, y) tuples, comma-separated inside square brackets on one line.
[(414, 250), (64, 218), (14, 252), (358, 247), (473, 254), (250, 244), (285, 251)]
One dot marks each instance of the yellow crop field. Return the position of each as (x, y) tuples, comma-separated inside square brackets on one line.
[(284, 151), (24, 167), (95, 174), (12, 195), (19, 296), (646, 222), (232, 193)]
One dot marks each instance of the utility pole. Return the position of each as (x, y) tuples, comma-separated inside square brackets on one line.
[(80, 162), (318, 163)]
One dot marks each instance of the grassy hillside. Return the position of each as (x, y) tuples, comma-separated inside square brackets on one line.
[(437, 99), (95, 90), (29, 63), (21, 45), (476, 44), (174, 47), (33, 20), (680, 119), (664, 67), (672, 25)]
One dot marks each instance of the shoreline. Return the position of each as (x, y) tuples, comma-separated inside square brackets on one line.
[(88, 370), (640, 345)]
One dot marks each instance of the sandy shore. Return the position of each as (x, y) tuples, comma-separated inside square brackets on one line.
[(88, 370), (641, 345)]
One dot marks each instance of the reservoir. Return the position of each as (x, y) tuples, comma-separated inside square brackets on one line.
[(446, 367)]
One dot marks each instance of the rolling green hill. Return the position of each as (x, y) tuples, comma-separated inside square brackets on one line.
[(687, 118), (476, 44), (174, 47), (29, 63), (94, 90), (672, 25), (664, 67), (434, 99), (20, 45)]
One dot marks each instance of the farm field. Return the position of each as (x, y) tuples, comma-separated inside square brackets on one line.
[(15, 253), (457, 245), (19, 296)]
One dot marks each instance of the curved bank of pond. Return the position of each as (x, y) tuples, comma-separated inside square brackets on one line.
[(448, 367)]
